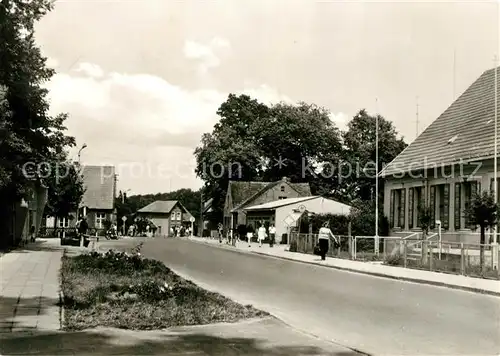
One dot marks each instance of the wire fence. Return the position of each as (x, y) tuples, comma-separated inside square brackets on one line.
[(473, 260)]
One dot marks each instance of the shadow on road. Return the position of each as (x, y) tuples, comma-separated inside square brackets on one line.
[(88, 342)]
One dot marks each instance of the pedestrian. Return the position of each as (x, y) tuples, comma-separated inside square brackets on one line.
[(221, 231), (261, 234), (272, 235), (249, 235), (324, 236), (32, 233), (83, 227)]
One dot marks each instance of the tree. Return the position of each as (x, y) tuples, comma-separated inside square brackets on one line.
[(32, 135), (255, 142), (65, 188), (360, 152), (482, 211)]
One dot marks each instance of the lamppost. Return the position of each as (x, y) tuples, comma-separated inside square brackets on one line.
[(84, 146), (80, 151), (377, 244)]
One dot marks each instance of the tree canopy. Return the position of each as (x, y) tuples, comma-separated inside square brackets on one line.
[(30, 133), (253, 141)]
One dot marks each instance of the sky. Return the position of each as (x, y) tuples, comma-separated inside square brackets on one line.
[(142, 80)]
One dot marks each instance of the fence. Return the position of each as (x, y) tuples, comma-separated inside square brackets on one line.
[(428, 254), (474, 260)]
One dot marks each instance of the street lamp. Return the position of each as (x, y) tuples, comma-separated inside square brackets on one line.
[(377, 244), (80, 151)]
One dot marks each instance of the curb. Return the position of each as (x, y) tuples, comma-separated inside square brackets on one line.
[(375, 274)]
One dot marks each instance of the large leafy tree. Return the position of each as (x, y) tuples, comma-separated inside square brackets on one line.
[(253, 141), (360, 153), (30, 133)]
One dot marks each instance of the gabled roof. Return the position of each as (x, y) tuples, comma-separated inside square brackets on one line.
[(99, 183), (314, 204), (165, 207), (244, 192), (160, 206), (465, 131), (279, 203)]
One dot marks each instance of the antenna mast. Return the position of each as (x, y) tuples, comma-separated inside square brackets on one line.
[(454, 73), (417, 121)]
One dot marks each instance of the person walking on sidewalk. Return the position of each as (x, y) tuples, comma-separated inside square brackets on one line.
[(272, 235), (324, 236), (261, 234)]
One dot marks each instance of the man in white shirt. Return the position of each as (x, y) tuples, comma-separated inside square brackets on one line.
[(272, 235), (324, 236)]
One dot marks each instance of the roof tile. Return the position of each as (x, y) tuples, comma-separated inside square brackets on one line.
[(468, 123)]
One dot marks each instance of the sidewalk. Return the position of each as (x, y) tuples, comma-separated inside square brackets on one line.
[(372, 268), (29, 285)]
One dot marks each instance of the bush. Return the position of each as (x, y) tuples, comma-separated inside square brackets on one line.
[(394, 260), (122, 290)]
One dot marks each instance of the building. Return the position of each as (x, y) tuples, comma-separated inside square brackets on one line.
[(284, 214), (444, 166), (25, 214), (243, 194), (166, 214)]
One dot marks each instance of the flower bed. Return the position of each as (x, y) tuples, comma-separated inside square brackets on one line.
[(117, 289)]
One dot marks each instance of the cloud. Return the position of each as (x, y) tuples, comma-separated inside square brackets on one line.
[(340, 119), (90, 69), (129, 118), (207, 55)]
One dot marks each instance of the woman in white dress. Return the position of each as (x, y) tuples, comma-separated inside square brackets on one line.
[(261, 235)]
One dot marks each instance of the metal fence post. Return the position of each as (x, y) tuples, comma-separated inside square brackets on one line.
[(431, 257), (462, 259), (405, 254), (355, 247)]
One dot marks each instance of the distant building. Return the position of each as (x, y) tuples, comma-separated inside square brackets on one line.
[(166, 214), (243, 194), (25, 214), (98, 201), (284, 214), (444, 166)]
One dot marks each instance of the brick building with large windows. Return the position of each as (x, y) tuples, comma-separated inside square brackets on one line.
[(445, 165)]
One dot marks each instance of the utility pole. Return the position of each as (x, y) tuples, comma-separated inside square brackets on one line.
[(377, 244), (495, 163)]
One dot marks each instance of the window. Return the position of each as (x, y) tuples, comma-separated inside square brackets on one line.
[(176, 216), (99, 220), (458, 206), (397, 214), (281, 198), (282, 188), (443, 204), (470, 188), (414, 206), (63, 222)]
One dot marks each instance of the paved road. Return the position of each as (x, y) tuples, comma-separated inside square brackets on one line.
[(372, 314)]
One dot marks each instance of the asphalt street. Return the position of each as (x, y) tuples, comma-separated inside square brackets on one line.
[(372, 314)]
